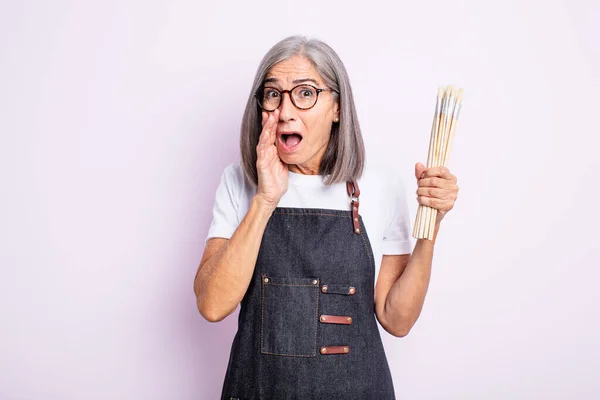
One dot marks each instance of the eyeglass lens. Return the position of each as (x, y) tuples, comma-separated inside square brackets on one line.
[(302, 96)]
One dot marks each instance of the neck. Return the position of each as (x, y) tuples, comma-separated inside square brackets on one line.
[(303, 169), (311, 166)]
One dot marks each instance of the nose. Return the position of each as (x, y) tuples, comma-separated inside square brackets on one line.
[(287, 110)]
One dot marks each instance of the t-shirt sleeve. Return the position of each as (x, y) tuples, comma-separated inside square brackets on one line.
[(397, 234), (225, 216)]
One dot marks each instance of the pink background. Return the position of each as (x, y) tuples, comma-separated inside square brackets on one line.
[(118, 117)]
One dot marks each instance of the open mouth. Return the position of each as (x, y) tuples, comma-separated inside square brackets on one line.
[(290, 141)]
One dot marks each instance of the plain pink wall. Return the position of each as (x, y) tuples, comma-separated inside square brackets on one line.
[(117, 119)]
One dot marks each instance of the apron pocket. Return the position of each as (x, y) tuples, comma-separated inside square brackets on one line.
[(289, 316)]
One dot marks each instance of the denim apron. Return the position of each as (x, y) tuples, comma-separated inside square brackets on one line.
[(307, 327)]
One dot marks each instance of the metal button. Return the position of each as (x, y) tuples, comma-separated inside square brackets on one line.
[(356, 219), (315, 282), (324, 289), (266, 280), (323, 350), (345, 349), (355, 209), (352, 290), (323, 318), (357, 230), (350, 319)]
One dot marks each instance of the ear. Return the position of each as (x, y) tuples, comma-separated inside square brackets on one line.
[(336, 111)]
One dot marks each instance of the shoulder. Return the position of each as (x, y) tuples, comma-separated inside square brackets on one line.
[(234, 172), (237, 186), (234, 178), (383, 179)]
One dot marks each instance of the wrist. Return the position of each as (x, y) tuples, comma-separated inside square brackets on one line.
[(263, 205)]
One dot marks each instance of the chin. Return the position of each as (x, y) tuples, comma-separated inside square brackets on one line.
[(290, 159)]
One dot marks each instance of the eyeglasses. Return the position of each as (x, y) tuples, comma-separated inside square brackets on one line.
[(304, 97)]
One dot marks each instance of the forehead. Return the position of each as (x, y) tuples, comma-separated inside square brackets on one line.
[(292, 69)]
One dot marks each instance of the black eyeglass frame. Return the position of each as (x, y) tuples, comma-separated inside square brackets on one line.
[(282, 92)]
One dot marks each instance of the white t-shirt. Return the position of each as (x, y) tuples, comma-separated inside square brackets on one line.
[(383, 206)]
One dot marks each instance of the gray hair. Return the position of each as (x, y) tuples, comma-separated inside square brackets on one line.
[(344, 158)]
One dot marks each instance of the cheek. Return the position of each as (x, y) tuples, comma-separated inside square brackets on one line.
[(318, 128)]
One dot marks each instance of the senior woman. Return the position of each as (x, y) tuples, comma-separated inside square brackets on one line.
[(289, 240)]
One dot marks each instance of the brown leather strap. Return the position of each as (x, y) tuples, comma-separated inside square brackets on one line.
[(353, 189), (335, 319), (326, 350), (354, 193)]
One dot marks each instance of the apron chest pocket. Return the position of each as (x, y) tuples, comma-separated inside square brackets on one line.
[(289, 316)]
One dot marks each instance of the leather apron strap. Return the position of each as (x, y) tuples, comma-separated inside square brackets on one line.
[(354, 193)]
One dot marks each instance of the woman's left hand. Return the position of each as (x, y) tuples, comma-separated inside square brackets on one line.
[(437, 188)]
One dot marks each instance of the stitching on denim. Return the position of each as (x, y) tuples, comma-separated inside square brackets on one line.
[(262, 312), (289, 355), (328, 215), (289, 284), (316, 320), (367, 247)]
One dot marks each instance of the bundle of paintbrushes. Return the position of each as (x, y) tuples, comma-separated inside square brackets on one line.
[(447, 108)]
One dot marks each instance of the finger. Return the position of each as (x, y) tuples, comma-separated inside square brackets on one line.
[(264, 135), (437, 182), (442, 205), (265, 117), (435, 192), (419, 168), (441, 172), (273, 134), (260, 153)]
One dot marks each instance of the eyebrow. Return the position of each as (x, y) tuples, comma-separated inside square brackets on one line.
[(302, 80)]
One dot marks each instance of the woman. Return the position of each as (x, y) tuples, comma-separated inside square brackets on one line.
[(289, 240)]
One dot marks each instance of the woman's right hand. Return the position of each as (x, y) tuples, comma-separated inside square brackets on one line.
[(272, 171)]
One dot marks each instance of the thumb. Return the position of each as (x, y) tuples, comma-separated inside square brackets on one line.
[(419, 169)]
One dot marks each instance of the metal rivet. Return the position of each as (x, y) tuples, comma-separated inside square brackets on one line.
[(357, 230), (315, 282), (349, 319), (355, 209), (266, 280), (323, 350), (324, 289), (356, 219), (345, 349), (352, 290), (323, 318)]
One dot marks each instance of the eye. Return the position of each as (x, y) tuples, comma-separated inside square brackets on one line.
[(270, 93), (306, 92)]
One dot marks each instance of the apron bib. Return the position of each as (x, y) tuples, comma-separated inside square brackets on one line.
[(307, 326)]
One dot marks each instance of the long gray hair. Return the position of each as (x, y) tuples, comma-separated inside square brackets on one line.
[(344, 157)]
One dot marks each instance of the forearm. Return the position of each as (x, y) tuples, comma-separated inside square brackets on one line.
[(405, 299), (223, 279)]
